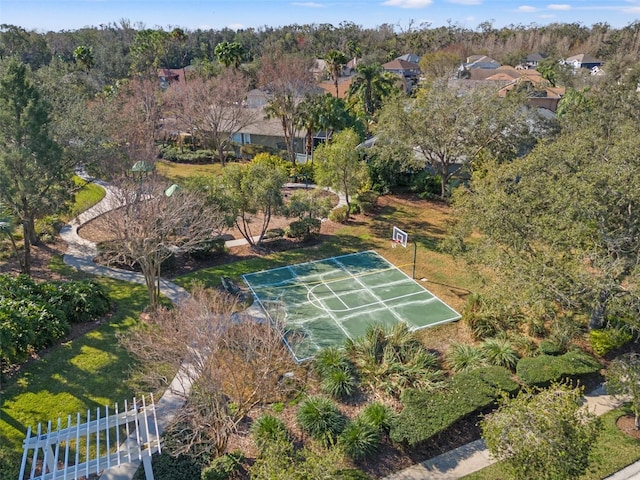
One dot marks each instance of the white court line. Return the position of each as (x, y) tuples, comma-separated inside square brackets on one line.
[(398, 317), (310, 292), (333, 317), (382, 307)]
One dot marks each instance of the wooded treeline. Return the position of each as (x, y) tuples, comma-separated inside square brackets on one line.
[(118, 49)]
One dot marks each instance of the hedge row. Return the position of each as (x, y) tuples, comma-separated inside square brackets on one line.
[(542, 370), (429, 413), (35, 315)]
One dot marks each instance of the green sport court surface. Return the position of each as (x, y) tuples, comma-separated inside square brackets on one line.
[(325, 302)]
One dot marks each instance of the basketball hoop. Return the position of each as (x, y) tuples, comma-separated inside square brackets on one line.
[(399, 237)]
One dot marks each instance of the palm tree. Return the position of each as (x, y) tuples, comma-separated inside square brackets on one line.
[(370, 87), (229, 53), (83, 56), (335, 61)]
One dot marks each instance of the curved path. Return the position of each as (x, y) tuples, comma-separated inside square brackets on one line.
[(80, 254), (455, 464)]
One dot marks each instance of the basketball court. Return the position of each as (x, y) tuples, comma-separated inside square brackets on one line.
[(325, 302)]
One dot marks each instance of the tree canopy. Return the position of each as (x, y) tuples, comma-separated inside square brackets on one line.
[(35, 178), (543, 434)]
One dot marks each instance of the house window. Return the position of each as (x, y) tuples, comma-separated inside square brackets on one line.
[(242, 138)]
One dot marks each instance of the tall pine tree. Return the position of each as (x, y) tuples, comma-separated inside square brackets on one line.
[(34, 179)]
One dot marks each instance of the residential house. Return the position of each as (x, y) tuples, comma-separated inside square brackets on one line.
[(167, 76), (408, 71), (478, 67), (534, 59), (583, 60)]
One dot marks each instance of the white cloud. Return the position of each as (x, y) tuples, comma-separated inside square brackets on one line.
[(408, 3), (556, 6), (308, 4), (236, 26), (527, 9), (631, 10)]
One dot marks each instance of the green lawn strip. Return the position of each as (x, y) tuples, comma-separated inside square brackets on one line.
[(339, 244), (603, 463), (176, 171), (89, 372), (89, 195)]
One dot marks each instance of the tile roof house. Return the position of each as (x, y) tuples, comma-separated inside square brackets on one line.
[(409, 71)]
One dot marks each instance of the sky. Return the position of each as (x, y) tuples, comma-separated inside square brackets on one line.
[(56, 15)]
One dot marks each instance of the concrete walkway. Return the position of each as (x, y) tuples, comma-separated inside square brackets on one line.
[(452, 465), (80, 254), (475, 456)]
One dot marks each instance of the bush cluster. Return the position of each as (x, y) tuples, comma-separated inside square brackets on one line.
[(35, 315), (542, 370), (608, 339), (304, 229), (429, 413), (339, 215), (173, 154), (211, 247)]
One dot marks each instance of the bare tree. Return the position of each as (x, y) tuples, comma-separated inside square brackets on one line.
[(212, 109), (287, 79), (232, 361), (124, 123), (152, 223)]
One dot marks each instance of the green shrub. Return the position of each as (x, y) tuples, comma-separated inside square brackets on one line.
[(80, 301), (426, 185), (320, 418), (207, 248), (608, 339), (366, 201), (222, 468), (542, 370), (549, 347), (339, 214), (340, 383), (462, 357), (35, 315), (268, 428), (304, 228), (27, 326), (250, 150), (173, 154), (303, 172), (499, 351), (379, 415), (329, 359), (429, 413), (359, 439), (392, 360), (274, 233)]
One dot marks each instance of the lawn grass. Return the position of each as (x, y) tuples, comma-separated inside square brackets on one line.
[(86, 197), (88, 372), (448, 278), (614, 450), (177, 171)]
